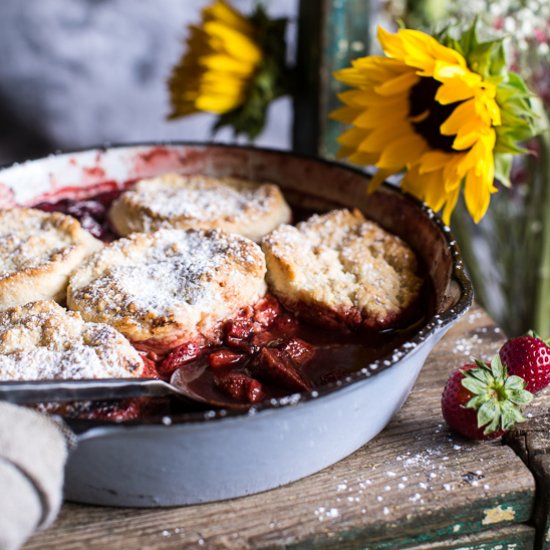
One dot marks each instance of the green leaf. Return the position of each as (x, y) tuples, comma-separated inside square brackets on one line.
[(498, 369), (515, 383), (487, 412), (509, 415), (481, 373), (476, 387), (519, 397), (493, 426), (476, 401), (503, 166)]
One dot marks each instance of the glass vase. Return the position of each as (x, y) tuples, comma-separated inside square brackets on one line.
[(508, 253)]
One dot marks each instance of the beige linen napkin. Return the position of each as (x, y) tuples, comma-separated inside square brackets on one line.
[(33, 451)]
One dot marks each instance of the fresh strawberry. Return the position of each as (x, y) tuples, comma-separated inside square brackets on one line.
[(528, 357), (481, 401)]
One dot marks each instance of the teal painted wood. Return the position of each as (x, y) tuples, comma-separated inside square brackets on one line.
[(330, 34), (469, 523), (346, 37)]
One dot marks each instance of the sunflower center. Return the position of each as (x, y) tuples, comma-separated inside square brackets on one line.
[(428, 115)]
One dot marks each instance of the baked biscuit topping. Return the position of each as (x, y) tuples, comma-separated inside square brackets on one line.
[(41, 340), (341, 269), (198, 201), (38, 251), (171, 286)]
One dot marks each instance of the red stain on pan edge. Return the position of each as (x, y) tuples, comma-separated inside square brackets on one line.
[(156, 160), (77, 192)]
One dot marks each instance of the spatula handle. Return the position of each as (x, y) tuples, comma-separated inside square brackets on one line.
[(57, 391)]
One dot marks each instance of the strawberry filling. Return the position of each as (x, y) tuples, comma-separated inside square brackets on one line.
[(265, 352)]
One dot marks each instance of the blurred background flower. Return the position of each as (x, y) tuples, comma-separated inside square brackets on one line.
[(221, 58), (233, 66), (75, 73)]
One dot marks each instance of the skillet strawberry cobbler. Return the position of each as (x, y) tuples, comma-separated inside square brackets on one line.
[(177, 281)]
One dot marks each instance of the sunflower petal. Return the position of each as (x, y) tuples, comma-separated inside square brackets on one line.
[(433, 160), (223, 12), (235, 43), (345, 114), (461, 115), (398, 84), (378, 178), (373, 118), (452, 199), (476, 196), (352, 138), (391, 43), (401, 152)]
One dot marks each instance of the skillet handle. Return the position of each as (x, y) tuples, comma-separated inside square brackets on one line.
[(58, 391)]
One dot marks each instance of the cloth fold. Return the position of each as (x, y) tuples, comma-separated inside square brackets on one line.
[(33, 451)]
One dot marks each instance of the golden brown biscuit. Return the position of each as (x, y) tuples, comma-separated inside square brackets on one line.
[(169, 287), (42, 340), (341, 270), (200, 202), (38, 252)]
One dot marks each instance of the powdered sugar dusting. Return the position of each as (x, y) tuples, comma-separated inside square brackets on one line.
[(181, 282), (171, 268), (342, 261), (43, 341), (200, 197), (29, 239)]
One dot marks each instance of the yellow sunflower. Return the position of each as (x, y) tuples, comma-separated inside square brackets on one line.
[(222, 55), (423, 109), (233, 66)]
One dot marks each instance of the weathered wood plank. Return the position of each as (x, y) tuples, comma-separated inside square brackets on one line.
[(517, 537), (414, 484), (531, 441)]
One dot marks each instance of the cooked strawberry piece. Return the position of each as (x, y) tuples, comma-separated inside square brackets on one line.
[(238, 328), (286, 324), (299, 351), (242, 346), (277, 366), (179, 357), (149, 368), (265, 338), (224, 358), (240, 386), (267, 310)]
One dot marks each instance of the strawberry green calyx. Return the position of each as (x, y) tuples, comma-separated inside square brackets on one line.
[(534, 334), (496, 397)]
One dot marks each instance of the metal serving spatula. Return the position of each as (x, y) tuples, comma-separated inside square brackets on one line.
[(58, 391)]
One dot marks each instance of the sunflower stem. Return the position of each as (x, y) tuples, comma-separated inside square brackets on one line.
[(542, 303)]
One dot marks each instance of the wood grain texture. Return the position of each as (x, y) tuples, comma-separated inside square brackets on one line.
[(415, 484), (517, 537), (531, 441)]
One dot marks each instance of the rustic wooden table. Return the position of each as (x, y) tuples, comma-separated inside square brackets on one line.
[(416, 486)]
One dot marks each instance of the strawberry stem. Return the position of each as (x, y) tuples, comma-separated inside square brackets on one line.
[(496, 396)]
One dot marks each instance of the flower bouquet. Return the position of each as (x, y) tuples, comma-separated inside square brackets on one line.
[(448, 113)]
